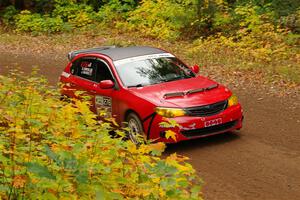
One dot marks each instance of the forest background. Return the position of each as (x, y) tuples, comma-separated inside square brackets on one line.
[(240, 34)]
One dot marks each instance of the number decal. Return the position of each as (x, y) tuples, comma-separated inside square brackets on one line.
[(103, 105)]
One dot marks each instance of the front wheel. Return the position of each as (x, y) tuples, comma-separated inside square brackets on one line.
[(135, 128)]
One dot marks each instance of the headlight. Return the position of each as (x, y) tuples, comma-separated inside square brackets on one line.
[(170, 112), (233, 100)]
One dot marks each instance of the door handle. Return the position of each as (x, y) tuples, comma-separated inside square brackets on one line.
[(93, 91)]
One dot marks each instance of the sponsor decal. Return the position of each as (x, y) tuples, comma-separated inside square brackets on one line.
[(86, 68), (85, 64), (87, 71)]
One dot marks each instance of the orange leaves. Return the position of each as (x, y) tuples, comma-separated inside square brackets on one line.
[(157, 146), (19, 181)]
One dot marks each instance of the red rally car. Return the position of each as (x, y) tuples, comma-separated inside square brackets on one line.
[(146, 86)]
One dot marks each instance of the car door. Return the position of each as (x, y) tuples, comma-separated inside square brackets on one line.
[(87, 73), (104, 98)]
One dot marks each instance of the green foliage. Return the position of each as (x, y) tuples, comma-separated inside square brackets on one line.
[(284, 8), (115, 10), (248, 18), (8, 14), (35, 23), (170, 19), (51, 149), (78, 15), (160, 19), (66, 16)]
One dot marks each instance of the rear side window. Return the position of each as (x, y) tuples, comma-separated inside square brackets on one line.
[(84, 68), (92, 69)]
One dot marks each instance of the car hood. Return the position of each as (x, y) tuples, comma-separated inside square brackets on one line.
[(184, 93)]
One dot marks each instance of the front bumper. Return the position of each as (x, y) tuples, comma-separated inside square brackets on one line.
[(195, 127)]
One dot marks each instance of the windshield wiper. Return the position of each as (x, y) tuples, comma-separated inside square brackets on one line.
[(173, 79)]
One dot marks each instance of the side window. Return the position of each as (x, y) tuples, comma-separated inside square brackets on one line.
[(103, 72), (84, 68), (92, 69)]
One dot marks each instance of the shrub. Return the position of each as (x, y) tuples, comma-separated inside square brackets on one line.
[(66, 16), (57, 150), (36, 23), (8, 15), (115, 11), (159, 19), (78, 15), (249, 17)]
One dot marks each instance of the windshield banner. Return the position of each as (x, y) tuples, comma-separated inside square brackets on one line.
[(145, 57)]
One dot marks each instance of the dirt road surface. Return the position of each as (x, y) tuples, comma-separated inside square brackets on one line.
[(262, 161)]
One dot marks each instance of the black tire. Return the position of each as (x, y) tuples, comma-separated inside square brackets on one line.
[(136, 128)]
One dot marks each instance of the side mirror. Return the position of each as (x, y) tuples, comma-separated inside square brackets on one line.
[(195, 69), (106, 84)]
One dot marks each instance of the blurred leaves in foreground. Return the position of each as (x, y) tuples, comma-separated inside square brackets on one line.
[(51, 149)]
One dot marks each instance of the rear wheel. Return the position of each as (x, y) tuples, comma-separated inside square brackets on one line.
[(135, 128)]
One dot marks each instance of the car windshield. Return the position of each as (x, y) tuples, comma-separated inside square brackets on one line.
[(149, 71)]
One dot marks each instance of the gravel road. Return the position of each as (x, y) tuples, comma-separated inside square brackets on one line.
[(261, 161)]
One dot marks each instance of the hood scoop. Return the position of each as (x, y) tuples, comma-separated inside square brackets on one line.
[(180, 94)]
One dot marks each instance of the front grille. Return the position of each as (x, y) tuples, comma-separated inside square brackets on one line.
[(208, 130), (207, 110)]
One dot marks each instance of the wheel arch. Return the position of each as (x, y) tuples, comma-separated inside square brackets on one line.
[(128, 111)]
